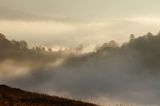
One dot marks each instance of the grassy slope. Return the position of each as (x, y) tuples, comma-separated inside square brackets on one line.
[(17, 97)]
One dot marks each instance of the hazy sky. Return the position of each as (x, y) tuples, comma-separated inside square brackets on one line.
[(73, 22)]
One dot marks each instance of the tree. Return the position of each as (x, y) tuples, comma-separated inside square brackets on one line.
[(132, 37), (2, 37), (23, 44)]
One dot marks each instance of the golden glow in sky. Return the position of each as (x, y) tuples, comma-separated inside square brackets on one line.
[(55, 22)]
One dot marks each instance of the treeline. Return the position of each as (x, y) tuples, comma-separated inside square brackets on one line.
[(146, 48), (19, 50)]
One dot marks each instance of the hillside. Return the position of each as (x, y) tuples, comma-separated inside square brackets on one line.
[(17, 97)]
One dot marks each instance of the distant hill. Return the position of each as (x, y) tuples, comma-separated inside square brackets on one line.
[(17, 97)]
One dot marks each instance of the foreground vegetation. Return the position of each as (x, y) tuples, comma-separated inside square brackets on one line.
[(16, 97)]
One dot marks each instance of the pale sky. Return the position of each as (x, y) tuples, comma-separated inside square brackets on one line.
[(73, 22)]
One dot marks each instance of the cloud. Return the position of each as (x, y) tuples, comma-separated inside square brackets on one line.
[(19, 14), (145, 20), (53, 32), (58, 33), (13, 14)]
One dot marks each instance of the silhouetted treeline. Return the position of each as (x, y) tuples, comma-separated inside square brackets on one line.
[(16, 97), (19, 50), (146, 48)]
